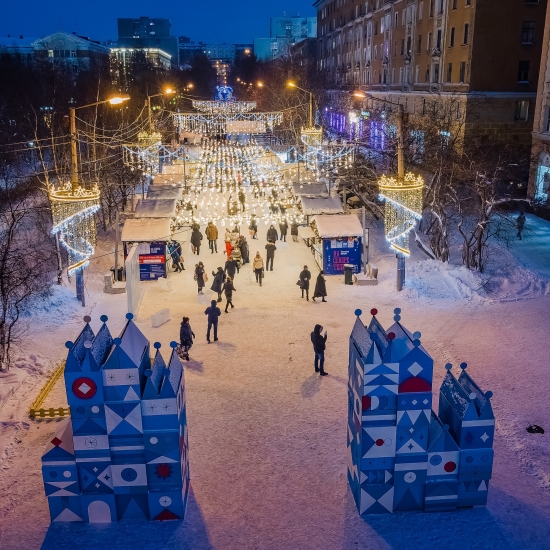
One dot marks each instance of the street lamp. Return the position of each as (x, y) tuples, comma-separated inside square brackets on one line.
[(291, 84), (73, 208), (167, 91)]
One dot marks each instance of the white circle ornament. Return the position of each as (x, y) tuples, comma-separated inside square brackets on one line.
[(165, 501), (154, 440), (66, 473), (410, 477)]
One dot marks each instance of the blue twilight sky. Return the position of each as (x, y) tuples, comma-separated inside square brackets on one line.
[(206, 20)]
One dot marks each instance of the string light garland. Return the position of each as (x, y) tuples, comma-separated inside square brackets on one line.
[(403, 208), (73, 221)]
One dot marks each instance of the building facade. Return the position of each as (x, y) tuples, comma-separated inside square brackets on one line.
[(539, 179), (418, 48), (148, 33)]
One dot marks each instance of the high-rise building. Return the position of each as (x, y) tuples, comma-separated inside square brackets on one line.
[(145, 32), (284, 32), (417, 48)]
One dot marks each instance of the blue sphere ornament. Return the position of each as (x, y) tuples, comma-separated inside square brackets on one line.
[(416, 343), (463, 366), (448, 366), (488, 394), (358, 312), (157, 345), (417, 335), (87, 318), (129, 316), (173, 345), (104, 318), (397, 310), (69, 344), (117, 341), (397, 318)]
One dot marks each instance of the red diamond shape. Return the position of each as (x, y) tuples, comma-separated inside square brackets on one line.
[(56, 441)]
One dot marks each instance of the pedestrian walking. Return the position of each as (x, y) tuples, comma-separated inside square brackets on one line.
[(186, 337), (242, 200), (196, 238), (320, 287), (272, 234), (213, 313), (253, 227), (258, 267), (305, 276), (270, 247), (294, 232), (228, 244), (521, 224), (200, 276), (217, 283), (212, 236), (176, 257), (283, 228), (179, 252), (231, 267), (229, 288), (319, 345), (245, 251)]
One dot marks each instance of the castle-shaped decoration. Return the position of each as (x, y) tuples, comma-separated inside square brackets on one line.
[(123, 453), (402, 455)]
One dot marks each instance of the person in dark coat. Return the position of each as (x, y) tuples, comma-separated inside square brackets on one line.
[(520, 221), (176, 258), (217, 283), (213, 313), (231, 266), (283, 228), (245, 252), (242, 199), (199, 276), (228, 288), (320, 287), (305, 276), (196, 238), (319, 344), (186, 336), (270, 247), (253, 227), (177, 248), (272, 234), (294, 232)]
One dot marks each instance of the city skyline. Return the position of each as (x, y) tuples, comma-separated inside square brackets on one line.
[(235, 22)]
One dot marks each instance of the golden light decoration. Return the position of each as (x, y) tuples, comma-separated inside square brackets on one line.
[(73, 220), (224, 107), (312, 137), (403, 208)]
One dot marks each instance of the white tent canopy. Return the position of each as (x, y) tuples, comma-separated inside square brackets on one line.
[(310, 190), (156, 208), (331, 227), (146, 230), (164, 192), (312, 206), (306, 232)]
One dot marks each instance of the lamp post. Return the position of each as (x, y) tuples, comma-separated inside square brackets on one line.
[(167, 91), (293, 85), (73, 207)]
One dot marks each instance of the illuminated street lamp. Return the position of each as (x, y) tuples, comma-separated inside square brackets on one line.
[(167, 91), (73, 207), (291, 84)]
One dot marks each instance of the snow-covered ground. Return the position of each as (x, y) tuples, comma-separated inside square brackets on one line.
[(268, 437)]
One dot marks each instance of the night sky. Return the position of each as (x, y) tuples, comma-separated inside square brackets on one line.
[(202, 20)]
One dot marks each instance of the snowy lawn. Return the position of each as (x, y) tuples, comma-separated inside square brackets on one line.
[(268, 437)]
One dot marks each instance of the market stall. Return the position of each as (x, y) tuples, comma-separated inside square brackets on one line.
[(338, 242), (309, 190), (156, 208)]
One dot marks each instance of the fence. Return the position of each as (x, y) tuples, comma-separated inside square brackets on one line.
[(35, 409)]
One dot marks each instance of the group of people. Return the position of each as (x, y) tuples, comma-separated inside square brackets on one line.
[(320, 284)]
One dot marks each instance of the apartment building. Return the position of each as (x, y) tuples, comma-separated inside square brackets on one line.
[(539, 180), (422, 49)]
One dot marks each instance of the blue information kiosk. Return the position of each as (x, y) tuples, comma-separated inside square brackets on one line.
[(338, 242)]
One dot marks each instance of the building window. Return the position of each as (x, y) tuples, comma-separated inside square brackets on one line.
[(466, 30), (427, 76), (450, 72), (524, 71), (522, 111), (454, 4), (468, 2), (528, 32), (396, 20), (401, 75), (431, 8), (380, 78), (375, 28), (436, 73), (438, 39), (50, 53), (420, 10), (393, 76), (429, 41), (462, 73), (402, 46), (452, 38), (419, 44)]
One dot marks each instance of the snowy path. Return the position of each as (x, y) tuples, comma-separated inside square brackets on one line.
[(268, 436)]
